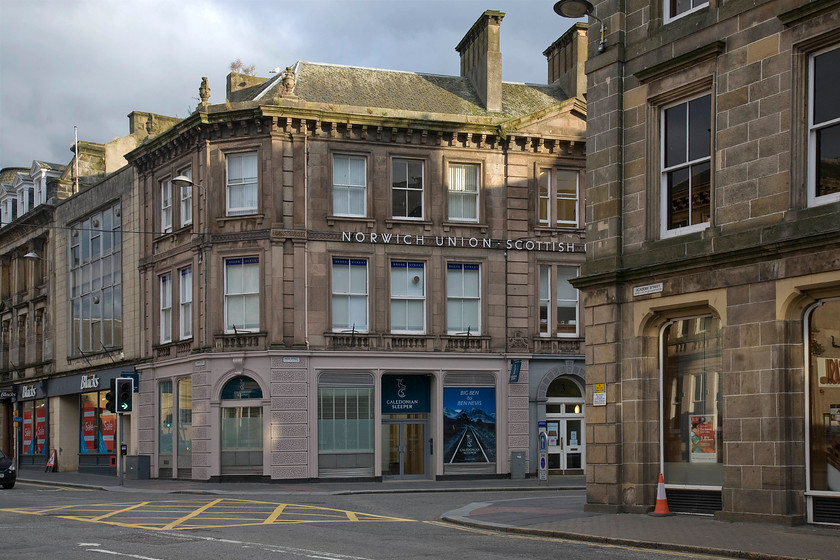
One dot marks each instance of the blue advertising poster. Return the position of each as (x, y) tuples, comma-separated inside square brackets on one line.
[(469, 425)]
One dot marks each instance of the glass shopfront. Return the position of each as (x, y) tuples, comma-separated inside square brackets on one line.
[(97, 429), (692, 449), (823, 352)]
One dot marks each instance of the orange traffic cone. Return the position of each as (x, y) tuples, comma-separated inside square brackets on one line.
[(661, 501)]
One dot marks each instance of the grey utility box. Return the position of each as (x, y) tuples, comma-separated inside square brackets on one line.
[(517, 464), (137, 467)]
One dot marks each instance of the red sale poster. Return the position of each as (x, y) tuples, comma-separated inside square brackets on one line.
[(88, 428), (40, 429), (109, 423), (28, 433)]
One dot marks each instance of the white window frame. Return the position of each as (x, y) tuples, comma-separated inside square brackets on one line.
[(185, 319), (23, 196), (166, 205), (457, 191), (668, 17), (345, 290), (40, 190), (407, 190), (550, 300), (244, 183), (342, 192), (455, 293), (186, 199), (688, 164), (165, 308), (549, 199), (403, 275), (813, 129), (243, 296)]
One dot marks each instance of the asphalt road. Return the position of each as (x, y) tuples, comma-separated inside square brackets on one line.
[(39, 523)]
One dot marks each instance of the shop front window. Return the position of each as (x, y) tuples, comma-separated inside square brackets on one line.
[(824, 390), (242, 427), (98, 426), (34, 427), (691, 403)]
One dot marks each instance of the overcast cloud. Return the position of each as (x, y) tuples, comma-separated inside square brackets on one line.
[(90, 63)]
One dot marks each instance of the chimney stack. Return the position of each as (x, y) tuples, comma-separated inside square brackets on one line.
[(481, 59), (567, 60)]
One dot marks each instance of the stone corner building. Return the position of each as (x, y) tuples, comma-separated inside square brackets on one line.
[(712, 280), (353, 280)]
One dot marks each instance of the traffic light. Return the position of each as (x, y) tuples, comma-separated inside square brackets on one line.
[(125, 394), (110, 396)]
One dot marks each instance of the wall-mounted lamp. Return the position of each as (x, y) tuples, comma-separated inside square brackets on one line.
[(31, 255), (577, 9)]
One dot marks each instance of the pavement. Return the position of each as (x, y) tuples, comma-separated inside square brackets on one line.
[(560, 514)]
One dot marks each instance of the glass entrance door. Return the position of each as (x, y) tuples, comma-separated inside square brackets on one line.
[(565, 444), (404, 450)]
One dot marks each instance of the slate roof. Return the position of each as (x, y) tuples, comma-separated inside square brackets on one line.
[(401, 91), (48, 165)]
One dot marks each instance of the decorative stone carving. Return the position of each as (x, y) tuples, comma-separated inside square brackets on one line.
[(288, 81), (204, 91)]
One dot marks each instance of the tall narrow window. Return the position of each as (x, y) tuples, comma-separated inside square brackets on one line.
[(692, 450), (558, 305), (824, 127), (95, 282), (349, 295), (463, 299), (463, 192), (407, 188), (558, 198), (165, 308), (408, 297), (166, 206), (185, 312), (349, 185), (241, 184), (242, 294), (186, 199), (686, 166)]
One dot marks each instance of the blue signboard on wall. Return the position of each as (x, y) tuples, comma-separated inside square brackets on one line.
[(405, 394)]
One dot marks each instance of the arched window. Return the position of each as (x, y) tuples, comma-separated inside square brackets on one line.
[(241, 387), (562, 387)]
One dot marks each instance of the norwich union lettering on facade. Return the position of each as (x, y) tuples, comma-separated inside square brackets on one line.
[(459, 241)]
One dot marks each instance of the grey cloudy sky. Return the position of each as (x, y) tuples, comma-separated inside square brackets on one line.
[(90, 63)]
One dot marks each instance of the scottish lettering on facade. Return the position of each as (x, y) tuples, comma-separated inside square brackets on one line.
[(712, 280), (340, 252)]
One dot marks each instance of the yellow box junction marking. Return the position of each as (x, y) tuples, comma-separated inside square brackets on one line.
[(201, 514)]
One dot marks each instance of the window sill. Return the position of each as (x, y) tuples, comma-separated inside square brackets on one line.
[(447, 226), (545, 231), (427, 224), (369, 222), (257, 219)]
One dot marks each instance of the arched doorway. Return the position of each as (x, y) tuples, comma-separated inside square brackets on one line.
[(241, 427), (565, 426)]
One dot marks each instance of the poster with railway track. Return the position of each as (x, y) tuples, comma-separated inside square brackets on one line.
[(469, 424)]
